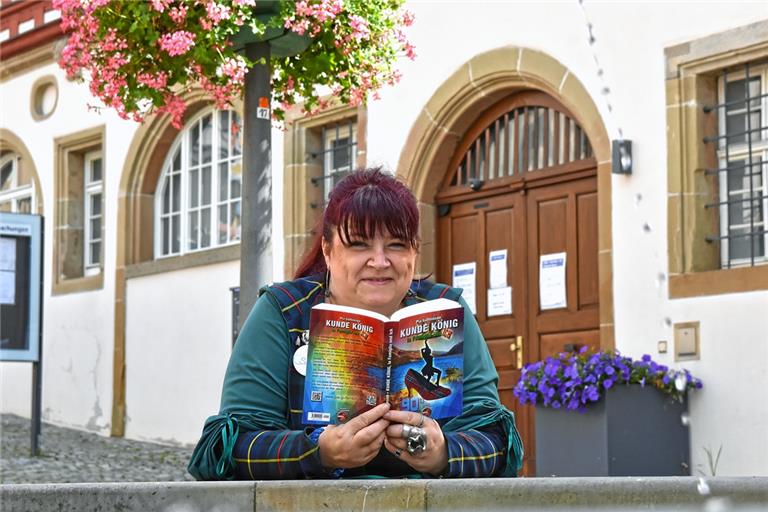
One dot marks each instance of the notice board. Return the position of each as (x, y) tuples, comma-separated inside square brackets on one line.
[(21, 242)]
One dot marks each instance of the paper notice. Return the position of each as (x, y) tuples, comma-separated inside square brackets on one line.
[(500, 301), (465, 277), (552, 281), (497, 264), (7, 270)]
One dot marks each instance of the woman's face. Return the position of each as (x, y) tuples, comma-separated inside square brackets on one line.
[(370, 273)]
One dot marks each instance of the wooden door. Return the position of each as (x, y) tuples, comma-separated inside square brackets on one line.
[(471, 230), (523, 179), (562, 218)]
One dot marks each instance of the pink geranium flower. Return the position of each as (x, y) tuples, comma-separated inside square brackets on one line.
[(177, 43)]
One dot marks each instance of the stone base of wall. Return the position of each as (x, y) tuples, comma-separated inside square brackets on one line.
[(659, 494)]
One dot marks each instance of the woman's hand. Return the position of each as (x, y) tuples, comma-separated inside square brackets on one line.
[(356, 442), (434, 459)]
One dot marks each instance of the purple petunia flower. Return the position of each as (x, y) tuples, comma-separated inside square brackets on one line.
[(572, 380)]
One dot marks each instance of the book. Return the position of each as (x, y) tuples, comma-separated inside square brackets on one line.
[(358, 359)]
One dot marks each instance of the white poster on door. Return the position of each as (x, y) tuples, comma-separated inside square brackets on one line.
[(465, 277), (552, 293), (497, 265), (500, 301)]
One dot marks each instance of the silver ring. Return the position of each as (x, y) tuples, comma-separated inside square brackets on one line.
[(421, 420), (407, 429), (416, 442), (398, 452)]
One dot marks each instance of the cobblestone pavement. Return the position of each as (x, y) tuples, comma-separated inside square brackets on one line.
[(68, 455)]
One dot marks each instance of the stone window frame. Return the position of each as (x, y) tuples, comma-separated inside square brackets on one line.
[(302, 198), (692, 70), (69, 274)]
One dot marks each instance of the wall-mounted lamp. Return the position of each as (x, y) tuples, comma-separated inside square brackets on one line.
[(621, 157), (476, 184)]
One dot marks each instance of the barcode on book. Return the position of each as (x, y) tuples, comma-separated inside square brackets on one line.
[(318, 416)]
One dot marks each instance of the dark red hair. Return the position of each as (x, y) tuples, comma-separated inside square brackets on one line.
[(364, 203)]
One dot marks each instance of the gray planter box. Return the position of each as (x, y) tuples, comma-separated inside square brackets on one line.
[(631, 431)]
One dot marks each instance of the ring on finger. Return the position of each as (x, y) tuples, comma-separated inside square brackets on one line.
[(398, 452), (407, 429), (421, 420), (416, 442)]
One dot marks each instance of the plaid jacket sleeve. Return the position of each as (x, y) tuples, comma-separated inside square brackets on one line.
[(476, 453), (278, 454)]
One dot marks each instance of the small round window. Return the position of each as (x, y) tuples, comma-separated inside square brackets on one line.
[(45, 95)]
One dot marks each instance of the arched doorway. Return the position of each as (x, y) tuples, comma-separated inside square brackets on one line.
[(520, 192), (538, 204)]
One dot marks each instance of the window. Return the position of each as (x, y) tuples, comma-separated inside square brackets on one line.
[(742, 155), (520, 140), (16, 191), (319, 151), (339, 151), (93, 212), (197, 202), (79, 222), (717, 154)]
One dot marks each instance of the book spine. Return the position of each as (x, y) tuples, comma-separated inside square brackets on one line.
[(389, 336)]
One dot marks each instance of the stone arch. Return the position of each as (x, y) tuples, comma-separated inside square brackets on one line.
[(135, 238), (475, 86), (9, 141)]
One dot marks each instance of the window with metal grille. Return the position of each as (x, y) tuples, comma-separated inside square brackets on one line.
[(338, 154), (522, 140), (197, 203), (742, 154), (93, 212)]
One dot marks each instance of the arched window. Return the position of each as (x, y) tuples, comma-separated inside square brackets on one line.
[(17, 194), (197, 200), (521, 137)]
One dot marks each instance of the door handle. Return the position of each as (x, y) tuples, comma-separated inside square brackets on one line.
[(517, 347)]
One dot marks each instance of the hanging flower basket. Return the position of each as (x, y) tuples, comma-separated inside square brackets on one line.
[(139, 57)]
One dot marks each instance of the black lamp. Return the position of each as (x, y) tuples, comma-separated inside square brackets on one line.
[(621, 156)]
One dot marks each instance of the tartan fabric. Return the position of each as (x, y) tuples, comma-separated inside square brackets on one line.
[(476, 452), (264, 454), (277, 454)]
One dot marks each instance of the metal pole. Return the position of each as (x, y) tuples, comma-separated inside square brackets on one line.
[(37, 387), (256, 242), (37, 366)]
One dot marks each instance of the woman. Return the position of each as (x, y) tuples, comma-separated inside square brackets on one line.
[(364, 256)]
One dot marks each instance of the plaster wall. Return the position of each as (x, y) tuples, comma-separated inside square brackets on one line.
[(629, 43), (77, 327), (178, 341)]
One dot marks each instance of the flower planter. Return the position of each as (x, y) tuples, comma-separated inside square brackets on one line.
[(631, 431)]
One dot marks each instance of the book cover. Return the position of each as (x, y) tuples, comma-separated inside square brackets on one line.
[(358, 359)]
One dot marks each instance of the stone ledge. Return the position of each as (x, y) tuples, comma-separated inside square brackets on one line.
[(625, 494)]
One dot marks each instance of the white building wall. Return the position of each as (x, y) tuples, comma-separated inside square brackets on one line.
[(78, 337), (77, 327), (179, 337), (630, 42)]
